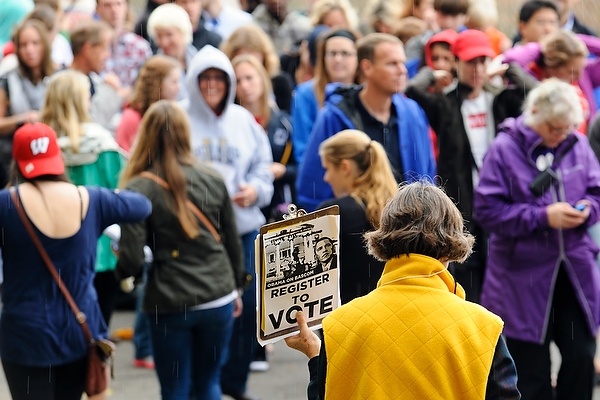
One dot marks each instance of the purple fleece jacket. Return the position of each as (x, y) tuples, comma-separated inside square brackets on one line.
[(525, 253), (589, 79)]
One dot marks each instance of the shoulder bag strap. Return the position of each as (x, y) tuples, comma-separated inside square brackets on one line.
[(79, 316), (559, 157), (191, 206), (287, 152)]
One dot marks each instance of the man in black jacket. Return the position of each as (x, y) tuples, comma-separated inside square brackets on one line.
[(464, 121), (201, 36), (568, 20)]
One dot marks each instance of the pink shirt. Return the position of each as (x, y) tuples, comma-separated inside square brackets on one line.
[(128, 128)]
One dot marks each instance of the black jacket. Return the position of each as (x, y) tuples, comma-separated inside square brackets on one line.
[(283, 86), (579, 28), (455, 160), (359, 271), (594, 135), (202, 36), (279, 131)]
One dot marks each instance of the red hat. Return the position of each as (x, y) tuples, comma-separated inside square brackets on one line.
[(446, 36), (36, 151), (471, 44)]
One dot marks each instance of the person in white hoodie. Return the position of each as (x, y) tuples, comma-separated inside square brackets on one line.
[(227, 137)]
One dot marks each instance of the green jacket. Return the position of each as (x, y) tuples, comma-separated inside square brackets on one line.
[(97, 163), (185, 272)]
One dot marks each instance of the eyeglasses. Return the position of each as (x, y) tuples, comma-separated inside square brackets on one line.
[(220, 78), (545, 22), (343, 54), (559, 130)]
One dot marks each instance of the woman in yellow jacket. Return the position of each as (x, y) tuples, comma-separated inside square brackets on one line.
[(415, 336)]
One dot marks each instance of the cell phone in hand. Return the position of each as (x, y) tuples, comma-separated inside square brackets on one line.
[(580, 207)]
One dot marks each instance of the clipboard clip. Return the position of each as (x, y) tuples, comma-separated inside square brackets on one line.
[(293, 212)]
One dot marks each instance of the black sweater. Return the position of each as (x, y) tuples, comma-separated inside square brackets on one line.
[(359, 272)]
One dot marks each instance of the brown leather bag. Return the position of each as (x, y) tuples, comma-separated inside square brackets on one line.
[(99, 357), (99, 350)]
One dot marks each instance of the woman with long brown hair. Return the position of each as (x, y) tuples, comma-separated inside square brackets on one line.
[(22, 89), (359, 172), (251, 39), (336, 62), (254, 93), (193, 282), (158, 79)]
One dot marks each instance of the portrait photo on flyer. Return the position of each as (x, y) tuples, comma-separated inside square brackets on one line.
[(297, 270)]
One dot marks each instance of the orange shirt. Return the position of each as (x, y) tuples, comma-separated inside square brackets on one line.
[(496, 38), (585, 107)]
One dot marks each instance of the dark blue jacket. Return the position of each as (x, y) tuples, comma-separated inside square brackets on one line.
[(339, 113), (279, 130)]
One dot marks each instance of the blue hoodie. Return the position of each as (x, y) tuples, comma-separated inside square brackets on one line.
[(233, 143), (339, 114)]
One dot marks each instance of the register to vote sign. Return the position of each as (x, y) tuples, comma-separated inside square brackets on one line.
[(297, 270)]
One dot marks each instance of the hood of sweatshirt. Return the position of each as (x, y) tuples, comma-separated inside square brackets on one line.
[(208, 57), (446, 36)]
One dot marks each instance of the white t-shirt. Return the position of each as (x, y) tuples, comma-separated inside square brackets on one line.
[(61, 51), (479, 125)]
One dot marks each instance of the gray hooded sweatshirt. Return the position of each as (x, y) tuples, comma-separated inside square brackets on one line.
[(232, 143)]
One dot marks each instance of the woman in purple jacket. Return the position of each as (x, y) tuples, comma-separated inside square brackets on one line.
[(542, 277)]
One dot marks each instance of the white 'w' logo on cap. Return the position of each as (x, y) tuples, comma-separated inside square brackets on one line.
[(40, 145)]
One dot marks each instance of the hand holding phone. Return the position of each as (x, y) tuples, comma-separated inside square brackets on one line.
[(562, 215)]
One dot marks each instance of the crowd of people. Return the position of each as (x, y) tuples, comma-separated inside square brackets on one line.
[(203, 120)]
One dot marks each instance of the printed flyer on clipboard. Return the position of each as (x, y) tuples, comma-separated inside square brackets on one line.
[(297, 270)]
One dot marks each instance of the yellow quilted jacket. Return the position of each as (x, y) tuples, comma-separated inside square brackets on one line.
[(411, 338)]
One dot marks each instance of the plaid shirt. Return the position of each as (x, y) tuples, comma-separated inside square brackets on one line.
[(128, 54)]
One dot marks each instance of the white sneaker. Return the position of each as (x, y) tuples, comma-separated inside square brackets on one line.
[(259, 366)]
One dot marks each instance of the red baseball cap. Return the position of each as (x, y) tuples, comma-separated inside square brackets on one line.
[(471, 44), (36, 151)]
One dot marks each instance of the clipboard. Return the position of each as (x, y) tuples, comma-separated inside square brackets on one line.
[(297, 268)]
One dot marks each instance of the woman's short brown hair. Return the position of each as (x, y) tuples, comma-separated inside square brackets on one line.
[(420, 219), (560, 47)]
